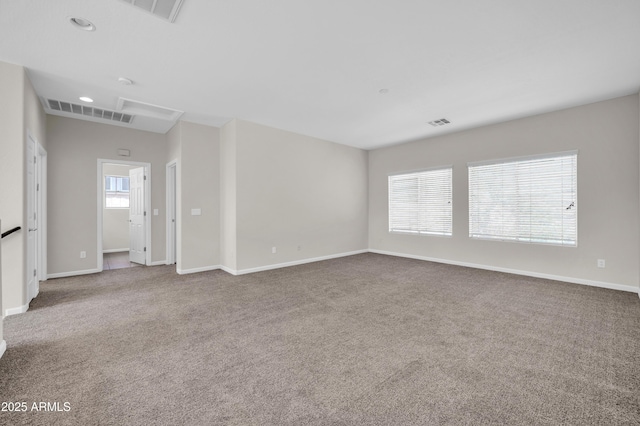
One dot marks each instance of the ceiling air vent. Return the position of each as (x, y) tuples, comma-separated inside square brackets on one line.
[(441, 122), (147, 110), (88, 111), (164, 9)]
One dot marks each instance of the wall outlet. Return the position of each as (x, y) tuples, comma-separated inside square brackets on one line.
[(83, 254), (273, 249), (601, 263)]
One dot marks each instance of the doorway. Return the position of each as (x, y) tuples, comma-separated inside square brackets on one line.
[(117, 260), (124, 227)]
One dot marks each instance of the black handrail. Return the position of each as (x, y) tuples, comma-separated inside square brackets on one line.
[(10, 231)]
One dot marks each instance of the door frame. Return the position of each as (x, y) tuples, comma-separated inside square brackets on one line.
[(172, 204), (147, 206), (38, 202), (31, 214), (41, 209)]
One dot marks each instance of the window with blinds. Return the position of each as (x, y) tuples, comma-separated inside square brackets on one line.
[(420, 203), (116, 192), (532, 200)]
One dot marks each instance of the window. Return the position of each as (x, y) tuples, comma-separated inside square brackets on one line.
[(533, 200), (116, 192), (420, 203)]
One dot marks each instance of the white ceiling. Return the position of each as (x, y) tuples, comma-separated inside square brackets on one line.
[(316, 67)]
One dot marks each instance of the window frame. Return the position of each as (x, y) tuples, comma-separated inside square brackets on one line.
[(519, 239), (116, 192), (433, 233)]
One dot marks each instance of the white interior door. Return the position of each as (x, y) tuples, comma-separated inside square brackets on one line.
[(32, 223), (137, 216)]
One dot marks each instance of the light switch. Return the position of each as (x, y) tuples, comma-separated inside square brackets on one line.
[(155, 212), (196, 212)]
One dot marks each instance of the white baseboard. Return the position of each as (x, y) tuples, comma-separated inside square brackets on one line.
[(3, 348), (35, 295), (15, 311), (120, 250), (74, 273), (229, 270), (592, 283), (194, 270), (159, 262), (292, 263)]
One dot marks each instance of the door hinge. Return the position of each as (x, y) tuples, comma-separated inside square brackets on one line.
[(37, 187), (34, 159), (145, 177), (34, 272), (145, 249), (145, 213)]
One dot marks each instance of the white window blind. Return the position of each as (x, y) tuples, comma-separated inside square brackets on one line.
[(532, 200), (420, 202), (116, 192)]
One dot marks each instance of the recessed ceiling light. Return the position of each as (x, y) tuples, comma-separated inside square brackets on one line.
[(85, 99), (81, 23), (125, 81), (383, 91)]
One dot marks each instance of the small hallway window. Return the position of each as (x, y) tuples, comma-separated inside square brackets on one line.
[(116, 192)]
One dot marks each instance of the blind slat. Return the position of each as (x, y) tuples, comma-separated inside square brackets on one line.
[(532, 200), (421, 202)]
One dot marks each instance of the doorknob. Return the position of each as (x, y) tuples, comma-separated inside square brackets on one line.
[(33, 229)]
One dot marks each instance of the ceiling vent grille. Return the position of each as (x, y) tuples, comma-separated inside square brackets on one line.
[(164, 9), (147, 110), (88, 111), (440, 122)]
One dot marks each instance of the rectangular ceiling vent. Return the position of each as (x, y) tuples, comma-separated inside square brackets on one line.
[(88, 111), (164, 9), (441, 122), (147, 110)]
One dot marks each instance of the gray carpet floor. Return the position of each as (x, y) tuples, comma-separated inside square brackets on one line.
[(361, 340)]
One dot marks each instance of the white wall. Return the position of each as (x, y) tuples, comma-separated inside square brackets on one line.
[(73, 150), (197, 150), (199, 189), (115, 222), (20, 112), (12, 179), (305, 196), (228, 244), (606, 135)]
